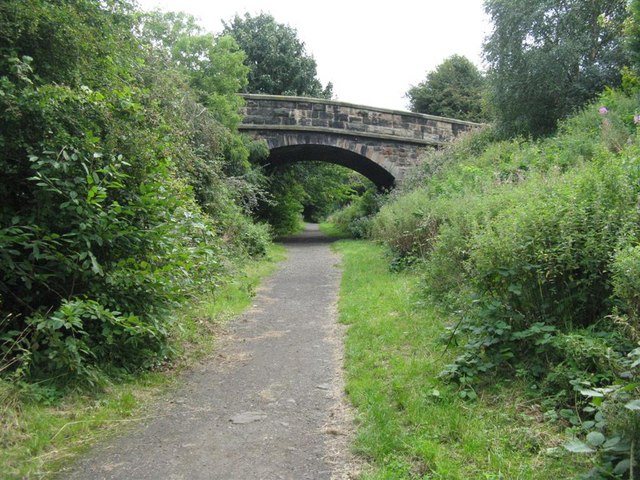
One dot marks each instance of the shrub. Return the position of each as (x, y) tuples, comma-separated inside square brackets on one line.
[(115, 202), (532, 245), (357, 217)]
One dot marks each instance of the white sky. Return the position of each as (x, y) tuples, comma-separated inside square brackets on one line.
[(372, 51)]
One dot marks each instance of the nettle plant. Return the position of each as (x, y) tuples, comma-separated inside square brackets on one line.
[(613, 428)]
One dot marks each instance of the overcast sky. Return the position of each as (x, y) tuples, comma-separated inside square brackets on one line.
[(372, 51)]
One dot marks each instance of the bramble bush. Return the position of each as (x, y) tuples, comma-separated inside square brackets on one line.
[(116, 203)]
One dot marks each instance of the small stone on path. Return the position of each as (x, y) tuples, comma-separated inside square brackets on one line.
[(247, 417)]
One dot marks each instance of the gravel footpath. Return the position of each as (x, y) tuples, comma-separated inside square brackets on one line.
[(268, 405)]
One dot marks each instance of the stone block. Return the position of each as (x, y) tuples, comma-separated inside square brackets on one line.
[(253, 120), (284, 104), (322, 115), (281, 112)]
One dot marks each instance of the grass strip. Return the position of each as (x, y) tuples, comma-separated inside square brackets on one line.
[(412, 424), (40, 433)]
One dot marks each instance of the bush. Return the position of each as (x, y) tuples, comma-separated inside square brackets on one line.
[(115, 202), (357, 217), (530, 243)]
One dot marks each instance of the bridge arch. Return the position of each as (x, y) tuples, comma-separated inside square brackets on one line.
[(286, 148), (380, 144)]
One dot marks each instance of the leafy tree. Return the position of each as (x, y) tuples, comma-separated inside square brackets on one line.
[(279, 65), (214, 65), (277, 59), (454, 89), (632, 32), (114, 205), (548, 57)]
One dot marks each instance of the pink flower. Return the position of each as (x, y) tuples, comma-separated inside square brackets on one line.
[(636, 119), (603, 110)]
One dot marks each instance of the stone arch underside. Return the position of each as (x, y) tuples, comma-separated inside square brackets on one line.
[(324, 153), (350, 153)]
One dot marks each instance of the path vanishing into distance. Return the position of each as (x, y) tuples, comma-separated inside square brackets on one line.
[(269, 403)]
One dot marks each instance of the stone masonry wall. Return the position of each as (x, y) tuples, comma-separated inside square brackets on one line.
[(297, 113)]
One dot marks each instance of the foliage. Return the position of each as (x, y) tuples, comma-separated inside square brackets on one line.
[(548, 58), (614, 428), (277, 59), (116, 205), (283, 208), (356, 218), (39, 431), (214, 66), (412, 424), (532, 246), (454, 89), (632, 35)]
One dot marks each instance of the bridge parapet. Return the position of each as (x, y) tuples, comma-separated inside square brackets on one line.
[(271, 112)]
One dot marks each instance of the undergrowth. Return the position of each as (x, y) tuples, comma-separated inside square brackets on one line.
[(42, 429), (532, 247), (412, 423)]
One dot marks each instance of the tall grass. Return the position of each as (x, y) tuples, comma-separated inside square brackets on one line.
[(412, 423)]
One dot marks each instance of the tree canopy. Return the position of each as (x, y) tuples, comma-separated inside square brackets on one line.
[(454, 89), (277, 59), (548, 57)]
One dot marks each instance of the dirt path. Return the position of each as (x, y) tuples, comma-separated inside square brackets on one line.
[(269, 405)]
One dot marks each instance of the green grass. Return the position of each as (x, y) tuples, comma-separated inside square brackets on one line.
[(413, 425), (332, 230), (40, 433)]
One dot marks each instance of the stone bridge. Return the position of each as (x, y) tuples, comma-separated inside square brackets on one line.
[(380, 144)]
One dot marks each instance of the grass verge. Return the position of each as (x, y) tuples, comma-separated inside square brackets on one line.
[(413, 425), (332, 230), (41, 434)]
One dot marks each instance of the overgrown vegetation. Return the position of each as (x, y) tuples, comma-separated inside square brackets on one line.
[(531, 247), (546, 59), (122, 191), (412, 424)]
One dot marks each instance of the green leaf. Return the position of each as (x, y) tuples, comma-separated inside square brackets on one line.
[(516, 289), (577, 446), (633, 405), (612, 442), (596, 439), (622, 467), (591, 393)]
